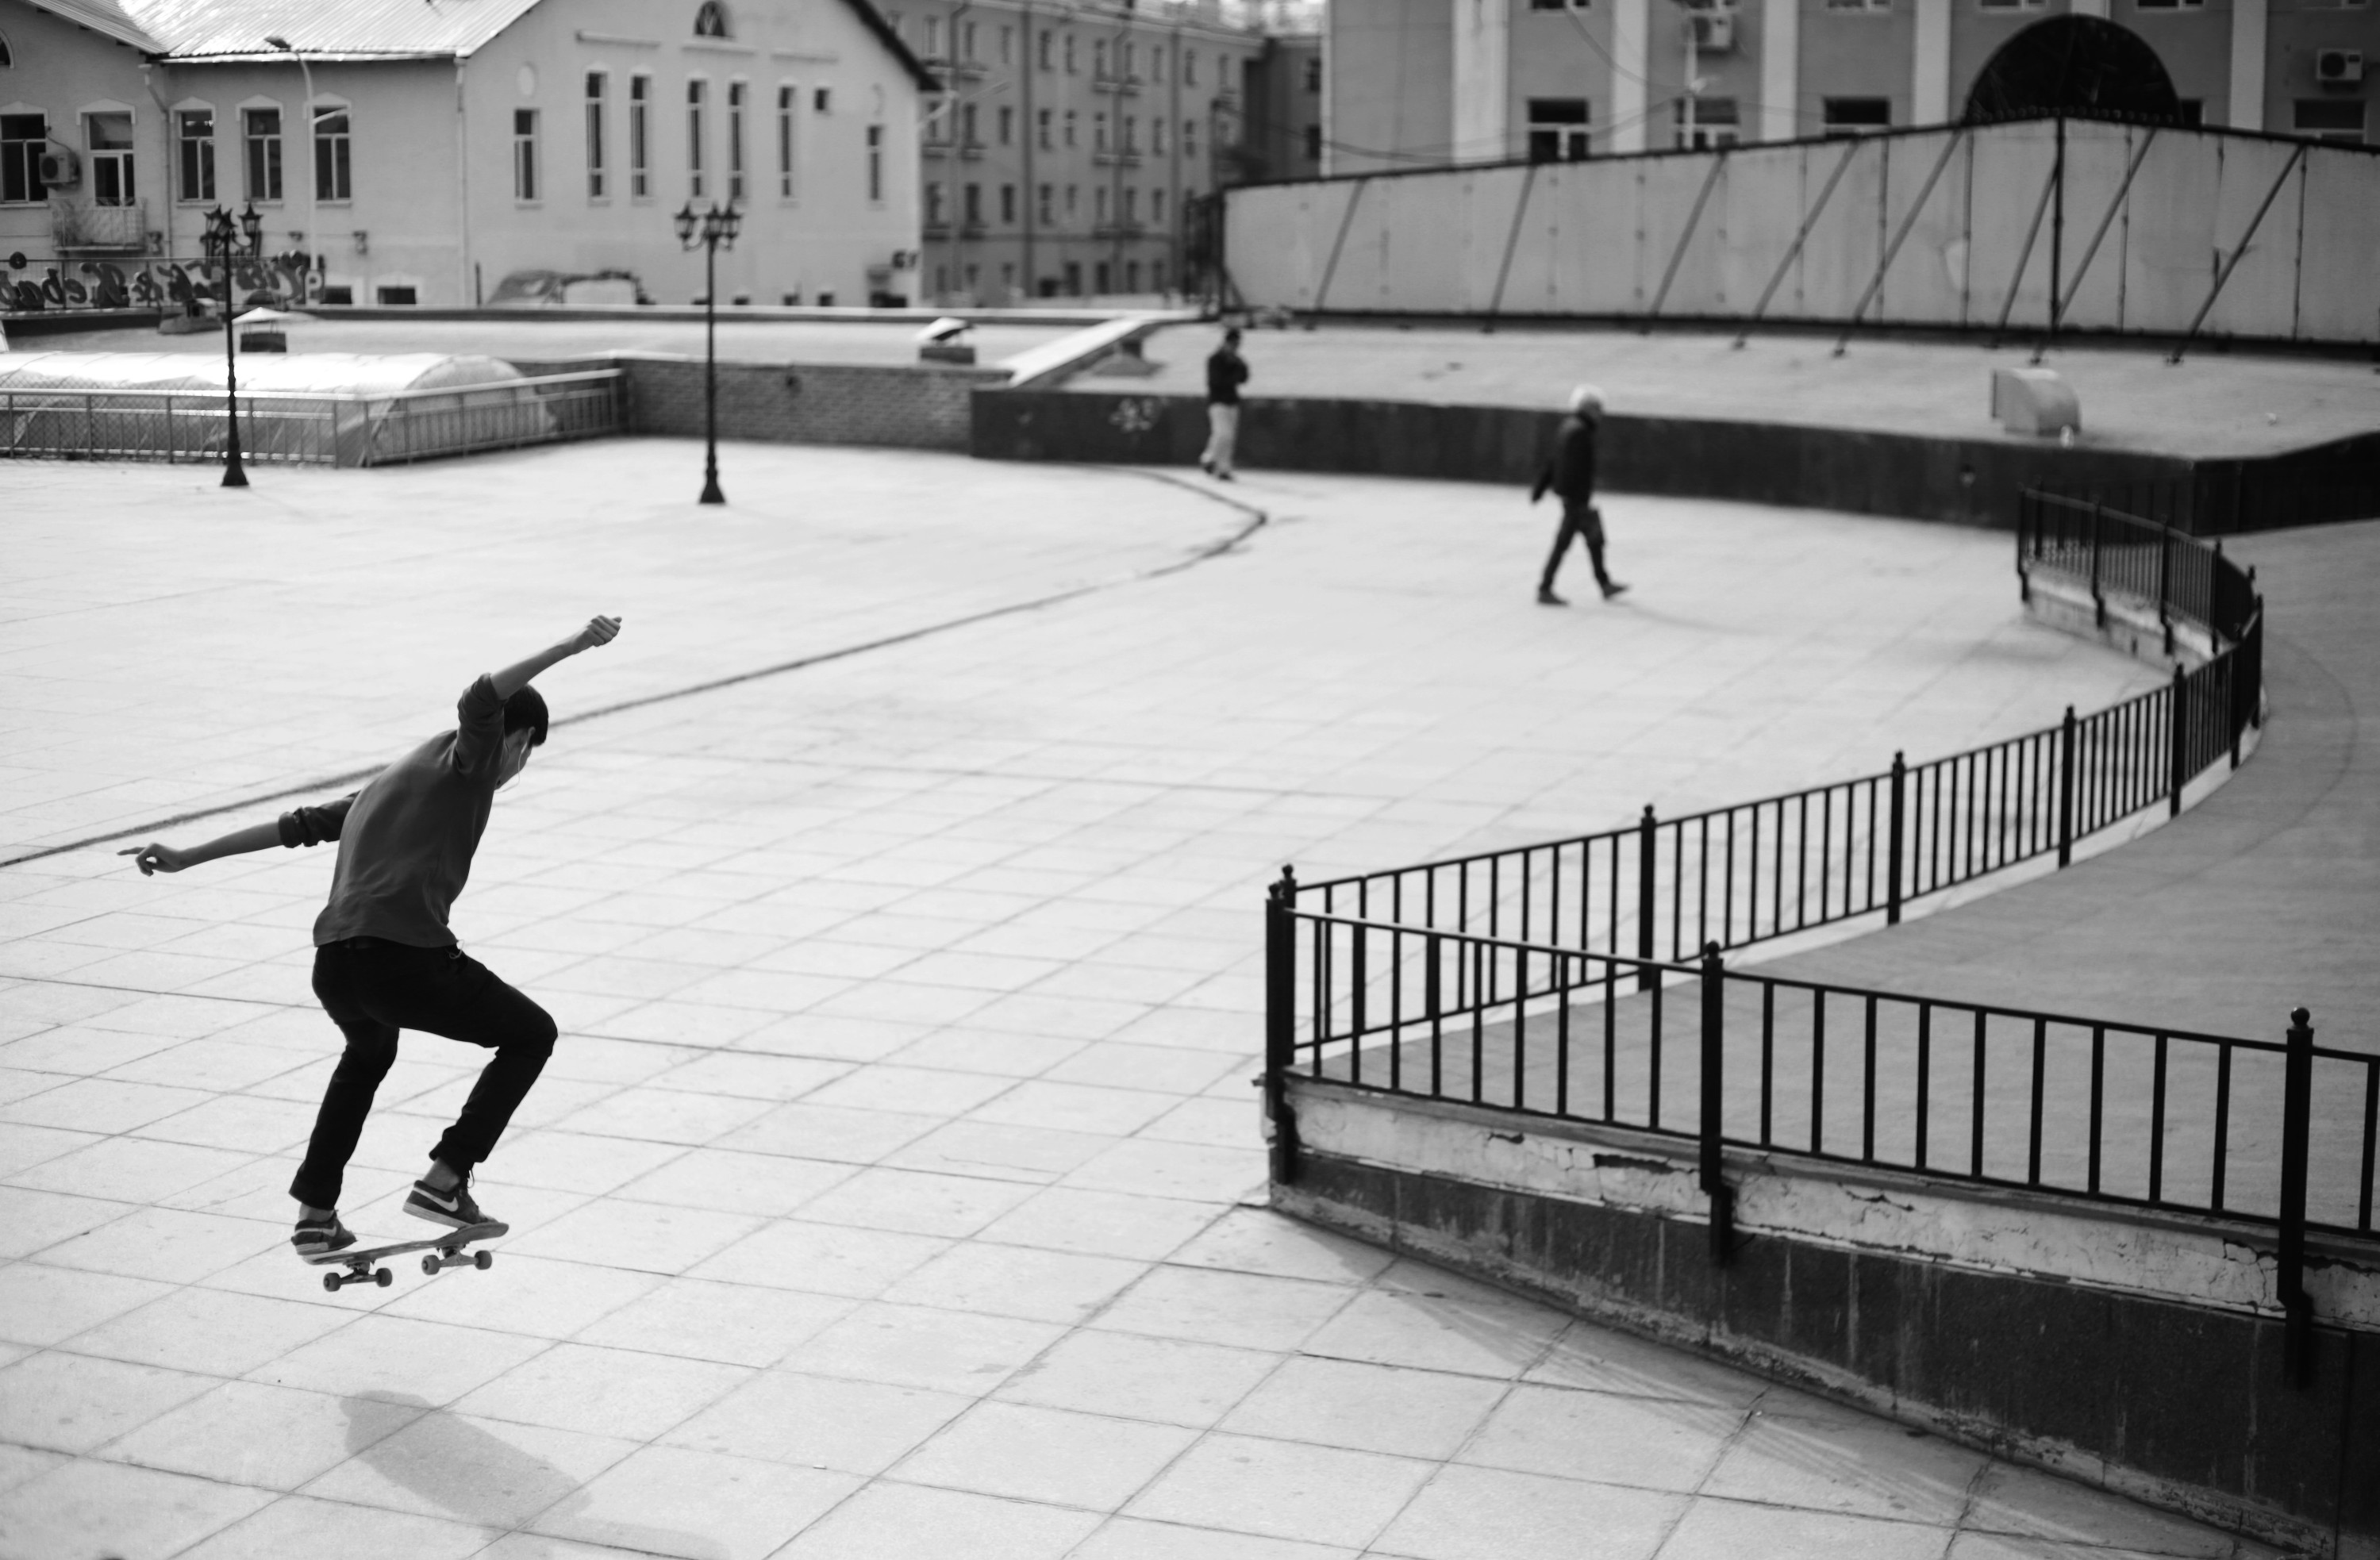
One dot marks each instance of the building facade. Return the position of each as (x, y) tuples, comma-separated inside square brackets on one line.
[(1432, 82), (428, 155), (1076, 141)]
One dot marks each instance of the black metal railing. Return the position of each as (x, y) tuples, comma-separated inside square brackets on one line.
[(1585, 978)]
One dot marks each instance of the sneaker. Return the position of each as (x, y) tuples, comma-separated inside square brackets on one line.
[(1546, 598), (453, 1206), (1612, 588), (319, 1237), (1205, 465), (1225, 477)]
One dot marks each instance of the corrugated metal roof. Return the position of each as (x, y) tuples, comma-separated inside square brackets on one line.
[(104, 17), (217, 27)]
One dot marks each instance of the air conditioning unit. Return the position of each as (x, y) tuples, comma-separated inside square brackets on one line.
[(2338, 68), (61, 169), (1714, 31)]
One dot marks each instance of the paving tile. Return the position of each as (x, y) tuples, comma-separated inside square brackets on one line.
[(820, 1422), (1649, 1443), (1283, 1490), (1435, 1330), (822, 1258), (378, 1355), (735, 1324), (1176, 1169), (154, 1242), (21, 1465), (603, 1391), (766, 1184), (22, 1148), (648, 1237), (747, 1075), (1016, 1281), (582, 1162), (85, 1508), (300, 1525), (1125, 1376), (73, 1402), (818, 1132), (703, 1505), (2026, 1503), (1129, 1537), (98, 1105), (1244, 1310), (127, 1169), (1075, 1107), (1603, 1361), (246, 1433), (1875, 1469), (536, 1296), (41, 1304), (888, 1522), (1260, 1240), (220, 1332), (1115, 1224), (1487, 1514), (1367, 1408), (1724, 1530), (1043, 1453), (2009, 1546), (910, 1346), (491, 1473), (917, 1202)]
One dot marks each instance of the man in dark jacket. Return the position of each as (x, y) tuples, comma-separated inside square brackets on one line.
[(384, 957), (1226, 371), (1570, 474)]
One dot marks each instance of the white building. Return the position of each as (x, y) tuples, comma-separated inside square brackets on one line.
[(424, 152)]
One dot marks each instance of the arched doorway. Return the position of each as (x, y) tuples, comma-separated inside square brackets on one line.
[(2087, 67)]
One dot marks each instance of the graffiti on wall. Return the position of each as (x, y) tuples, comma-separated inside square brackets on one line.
[(35, 287)]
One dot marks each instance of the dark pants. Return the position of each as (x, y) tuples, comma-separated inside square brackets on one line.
[(1579, 519), (371, 989)]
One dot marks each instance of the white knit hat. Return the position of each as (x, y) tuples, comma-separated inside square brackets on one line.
[(1586, 398)]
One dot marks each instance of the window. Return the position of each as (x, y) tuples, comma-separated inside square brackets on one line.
[(109, 137), (1859, 5), (597, 85), (333, 169), (711, 20), (524, 154), (261, 132), (967, 41), (2010, 4), (933, 203), (1073, 200), (1313, 143), (1855, 116), (737, 93), (1099, 273), (1157, 62), (1131, 57), (1189, 137), (1074, 270), (876, 165), (22, 137), (2193, 111), (1070, 53), (788, 100), (698, 99), (394, 294), (1045, 209), (1132, 276), (2339, 120), (1131, 203), (967, 136), (1190, 68), (1314, 73), (194, 144), (1008, 45), (1007, 202), (1100, 57), (1007, 127), (1157, 207), (1157, 277), (1099, 131), (6, 59), (1131, 134), (933, 37), (2170, 5), (1157, 137), (641, 138), (1704, 123), (1558, 130), (1070, 126), (1041, 128), (971, 205), (1100, 206), (1044, 50), (822, 101)]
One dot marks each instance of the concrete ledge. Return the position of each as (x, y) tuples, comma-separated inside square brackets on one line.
[(1998, 1325)]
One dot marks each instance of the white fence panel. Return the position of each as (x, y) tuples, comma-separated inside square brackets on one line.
[(2097, 156), (2260, 300), (1846, 239), (2011, 175), (2338, 297), (1765, 191), (1679, 233), (1928, 275), (1490, 201)]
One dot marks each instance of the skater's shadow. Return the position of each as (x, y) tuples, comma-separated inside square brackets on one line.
[(481, 1478)]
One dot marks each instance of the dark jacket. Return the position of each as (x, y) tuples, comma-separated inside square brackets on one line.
[(407, 838), (1571, 471), (1226, 371)]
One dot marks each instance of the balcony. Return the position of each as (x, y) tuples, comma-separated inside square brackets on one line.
[(1129, 159), (971, 229), (78, 227), (1120, 230), (934, 230), (971, 150), (935, 146), (966, 70), (1109, 81)]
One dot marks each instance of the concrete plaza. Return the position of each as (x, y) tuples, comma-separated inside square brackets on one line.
[(895, 1189)]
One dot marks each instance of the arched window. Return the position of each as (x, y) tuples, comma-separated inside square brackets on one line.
[(711, 20), (6, 59)]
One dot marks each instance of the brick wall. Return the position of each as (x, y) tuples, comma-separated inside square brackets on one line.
[(921, 407)]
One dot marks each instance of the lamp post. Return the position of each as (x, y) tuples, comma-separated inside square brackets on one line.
[(711, 228), (228, 238), (314, 168)]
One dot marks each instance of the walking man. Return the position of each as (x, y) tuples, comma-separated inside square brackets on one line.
[(1226, 371), (384, 957), (1570, 474)]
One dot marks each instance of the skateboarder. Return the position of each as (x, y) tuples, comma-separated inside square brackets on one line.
[(1226, 371), (384, 957), (1570, 474)]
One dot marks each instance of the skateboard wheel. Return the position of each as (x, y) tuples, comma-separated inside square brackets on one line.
[(384, 1277), (331, 1282), (483, 1260), (429, 1266)]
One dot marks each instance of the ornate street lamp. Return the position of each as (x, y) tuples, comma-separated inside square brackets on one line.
[(712, 228), (229, 239)]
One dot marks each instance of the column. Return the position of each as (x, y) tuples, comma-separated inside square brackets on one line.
[(1483, 80), (2247, 92), (1780, 68), (1929, 82), (1630, 35)]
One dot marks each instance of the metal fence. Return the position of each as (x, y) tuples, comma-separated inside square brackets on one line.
[(308, 426), (1585, 979)]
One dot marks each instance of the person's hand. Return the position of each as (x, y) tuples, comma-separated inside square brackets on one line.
[(156, 856), (599, 631)]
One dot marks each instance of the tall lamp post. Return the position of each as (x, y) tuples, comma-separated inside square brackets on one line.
[(229, 239), (711, 228), (313, 169)]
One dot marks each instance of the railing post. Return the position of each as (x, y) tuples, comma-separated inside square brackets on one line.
[(2296, 1110), (1713, 1185), (1648, 854), (2066, 790), (2165, 585), (1892, 865), (2178, 729), (2098, 536), (1280, 1024)]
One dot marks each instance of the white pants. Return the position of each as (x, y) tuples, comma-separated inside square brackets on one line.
[(1222, 433)]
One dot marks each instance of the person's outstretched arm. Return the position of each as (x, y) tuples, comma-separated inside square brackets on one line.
[(521, 673), (311, 825)]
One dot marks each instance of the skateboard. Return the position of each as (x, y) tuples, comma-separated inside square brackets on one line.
[(446, 1251)]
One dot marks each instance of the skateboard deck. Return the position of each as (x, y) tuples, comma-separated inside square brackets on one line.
[(446, 1251)]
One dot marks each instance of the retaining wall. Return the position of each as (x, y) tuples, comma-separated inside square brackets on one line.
[(916, 406)]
